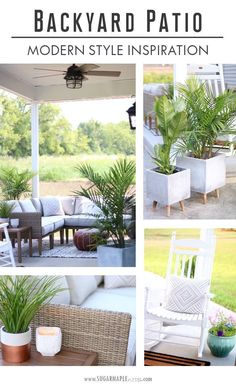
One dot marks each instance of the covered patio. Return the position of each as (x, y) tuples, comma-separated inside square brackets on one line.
[(30, 83), (44, 83)]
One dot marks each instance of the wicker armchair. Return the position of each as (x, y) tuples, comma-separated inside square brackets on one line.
[(104, 332)]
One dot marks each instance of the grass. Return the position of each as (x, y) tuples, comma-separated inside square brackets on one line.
[(153, 77), (62, 168), (157, 243)]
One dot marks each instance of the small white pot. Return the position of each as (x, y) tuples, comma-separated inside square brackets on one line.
[(48, 340), (14, 222)]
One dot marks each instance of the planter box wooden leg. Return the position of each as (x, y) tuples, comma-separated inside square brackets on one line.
[(218, 193), (204, 198), (154, 204), (168, 211), (181, 203)]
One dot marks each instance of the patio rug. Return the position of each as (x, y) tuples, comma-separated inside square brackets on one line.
[(159, 359), (59, 251)]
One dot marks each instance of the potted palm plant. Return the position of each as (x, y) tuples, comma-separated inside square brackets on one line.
[(166, 183), (20, 299), (5, 211), (113, 194), (15, 183), (208, 117), (222, 335)]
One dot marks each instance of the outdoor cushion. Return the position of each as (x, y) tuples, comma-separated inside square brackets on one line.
[(68, 205), (81, 286), (51, 206), (186, 295), (63, 297), (47, 225), (99, 279), (84, 205), (17, 207), (37, 204), (113, 281), (27, 206), (58, 222), (81, 220)]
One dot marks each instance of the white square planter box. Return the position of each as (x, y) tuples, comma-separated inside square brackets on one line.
[(206, 174), (110, 256), (168, 189)]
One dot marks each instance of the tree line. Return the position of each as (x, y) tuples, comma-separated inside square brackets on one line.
[(57, 136)]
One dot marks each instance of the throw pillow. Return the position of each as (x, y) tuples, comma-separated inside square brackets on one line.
[(51, 206), (99, 279), (113, 281), (17, 207), (27, 206), (186, 295), (84, 205), (62, 298), (81, 286), (68, 205), (37, 204)]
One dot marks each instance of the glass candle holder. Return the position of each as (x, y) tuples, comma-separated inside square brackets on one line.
[(48, 340)]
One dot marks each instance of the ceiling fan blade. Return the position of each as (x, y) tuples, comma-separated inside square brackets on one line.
[(46, 76), (48, 69), (88, 67), (104, 73)]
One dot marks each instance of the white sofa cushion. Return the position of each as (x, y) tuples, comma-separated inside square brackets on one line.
[(81, 286), (63, 297), (47, 224), (81, 220), (17, 207), (37, 204), (51, 206), (68, 205), (113, 281), (27, 206), (186, 295), (99, 279)]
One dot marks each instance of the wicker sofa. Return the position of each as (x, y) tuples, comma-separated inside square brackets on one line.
[(96, 315), (47, 215)]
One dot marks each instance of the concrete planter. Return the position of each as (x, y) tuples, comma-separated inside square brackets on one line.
[(206, 174), (15, 347), (168, 189), (110, 256)]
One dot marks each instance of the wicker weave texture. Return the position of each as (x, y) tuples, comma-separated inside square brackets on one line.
[(100, 331)]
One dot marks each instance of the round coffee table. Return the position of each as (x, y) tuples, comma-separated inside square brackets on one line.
[(85, 239)]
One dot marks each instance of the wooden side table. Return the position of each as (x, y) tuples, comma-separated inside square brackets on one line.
[(66, 357), (20, 233)]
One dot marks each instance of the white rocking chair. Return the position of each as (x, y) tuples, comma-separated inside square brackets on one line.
[(187, 289), (6, 253)]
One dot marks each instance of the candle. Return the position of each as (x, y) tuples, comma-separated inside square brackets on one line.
[(48, 340)]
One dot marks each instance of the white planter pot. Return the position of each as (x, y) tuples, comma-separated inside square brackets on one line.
[(110, 256), (48, 344), (168, 189), (206, 174), (4, 220), (15, 346)]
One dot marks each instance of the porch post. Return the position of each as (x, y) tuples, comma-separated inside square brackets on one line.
[(35, 148), (180, 75)]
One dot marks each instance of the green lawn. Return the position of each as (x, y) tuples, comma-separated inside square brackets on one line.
[(223, 286), (62, 168), (154, 77)]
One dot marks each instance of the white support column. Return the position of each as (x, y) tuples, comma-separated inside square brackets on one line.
[(35, 148), (180, 75)]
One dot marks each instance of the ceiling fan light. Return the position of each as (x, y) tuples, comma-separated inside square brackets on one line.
[(74, 81)]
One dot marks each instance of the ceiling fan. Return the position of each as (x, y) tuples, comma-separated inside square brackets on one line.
[(75, 75)]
